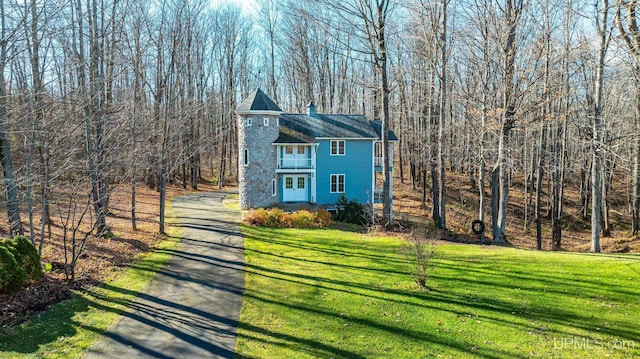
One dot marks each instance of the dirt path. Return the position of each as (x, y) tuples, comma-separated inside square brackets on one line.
[(192, 306)]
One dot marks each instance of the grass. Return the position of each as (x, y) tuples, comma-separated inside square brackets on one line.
[(232, 201), (70, 327), (328, 293)]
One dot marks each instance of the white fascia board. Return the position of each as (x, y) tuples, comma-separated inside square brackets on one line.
[(295, 144), (347, 138), (259, 112)]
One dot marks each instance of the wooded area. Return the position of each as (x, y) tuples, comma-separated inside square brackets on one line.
[(101, 93)]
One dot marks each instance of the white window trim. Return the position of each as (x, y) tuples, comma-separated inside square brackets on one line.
[(265, 121), (287, 148), (273, 187), (304, 182), (337, 176), (249, 121), (344, 148), (245, 157)]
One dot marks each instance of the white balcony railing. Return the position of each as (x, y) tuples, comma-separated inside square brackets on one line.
[(377, 193), (295, 163), (377, 161)]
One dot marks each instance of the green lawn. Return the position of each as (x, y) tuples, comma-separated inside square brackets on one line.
[(326, 293)]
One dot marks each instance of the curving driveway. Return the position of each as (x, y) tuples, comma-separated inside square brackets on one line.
[(192, 306)]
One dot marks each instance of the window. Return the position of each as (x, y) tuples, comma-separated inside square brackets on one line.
[(337, 183), (265, 121), (301, 182), (337, 147), (288, 182), (245, 157), (288, 150), (273, 187), (249, 121)]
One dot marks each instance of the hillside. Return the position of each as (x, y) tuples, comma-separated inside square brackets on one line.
[(462, 209)]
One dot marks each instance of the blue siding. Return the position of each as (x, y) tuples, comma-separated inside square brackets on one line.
[(356, 165)]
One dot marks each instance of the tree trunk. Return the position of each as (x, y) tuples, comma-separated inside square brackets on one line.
[(635, 175), (512, 10), (382, 10), (441, 118), (539, 179), (11, 190), (495, 199), (596, 148)]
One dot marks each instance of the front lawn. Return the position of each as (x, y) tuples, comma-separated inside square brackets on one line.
[(326, 293)]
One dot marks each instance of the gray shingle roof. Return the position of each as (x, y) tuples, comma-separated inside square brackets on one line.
[(377, 126), (288, 135), (258, 101), (302, 128), (329, 126)]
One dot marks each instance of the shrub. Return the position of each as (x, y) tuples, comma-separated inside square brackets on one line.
[(419, 250), (301, 219), (19, 262), (256, 217), (276, 217), (8, 266), (322, 217), (351, 211)]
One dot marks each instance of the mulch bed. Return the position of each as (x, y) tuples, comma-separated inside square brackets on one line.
[(18, 307)]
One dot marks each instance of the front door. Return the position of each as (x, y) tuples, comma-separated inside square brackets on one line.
[(295, 188)]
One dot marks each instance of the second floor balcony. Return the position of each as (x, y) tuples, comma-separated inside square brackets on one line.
[(295, 163)]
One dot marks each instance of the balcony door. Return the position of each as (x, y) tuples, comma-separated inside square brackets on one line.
[(295, 188), (295, 156)]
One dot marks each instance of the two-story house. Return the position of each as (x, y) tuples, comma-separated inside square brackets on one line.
[(310, 158)]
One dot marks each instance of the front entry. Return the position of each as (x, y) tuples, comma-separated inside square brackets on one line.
[(295, 188)]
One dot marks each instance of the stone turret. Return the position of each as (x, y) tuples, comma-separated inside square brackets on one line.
[(258, 128)]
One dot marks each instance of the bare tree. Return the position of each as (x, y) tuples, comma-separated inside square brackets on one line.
[(595, 111), (627, 24), (512, 12), (11, 190), (372, 21)]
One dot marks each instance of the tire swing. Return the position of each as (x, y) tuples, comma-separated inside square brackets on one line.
[(478, 227)]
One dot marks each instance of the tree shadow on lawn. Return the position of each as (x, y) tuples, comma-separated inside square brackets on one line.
[(335, 248), (304, 345), (490, 308), (434, 300), (27, 337), (579, 284)]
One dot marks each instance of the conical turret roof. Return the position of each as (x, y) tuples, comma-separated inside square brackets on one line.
[(258, 101)]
